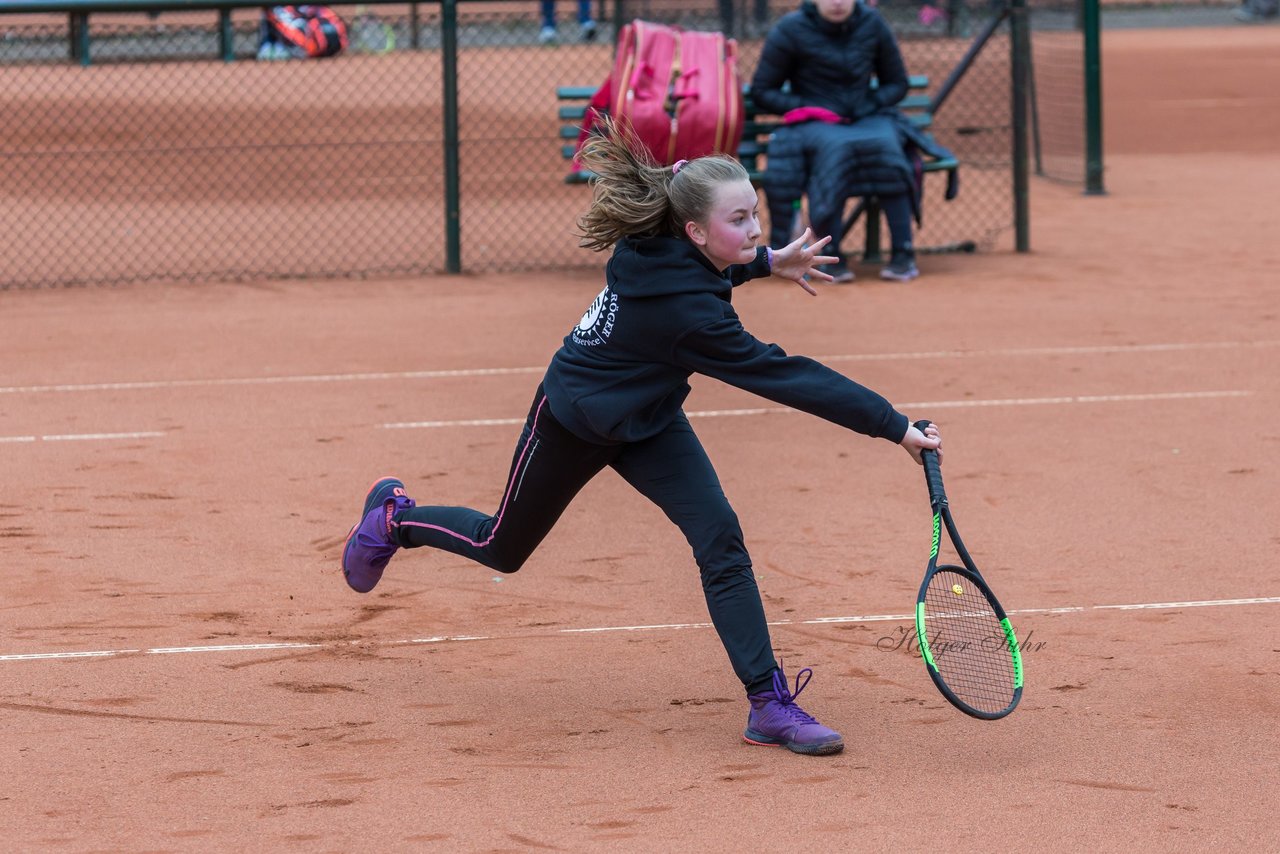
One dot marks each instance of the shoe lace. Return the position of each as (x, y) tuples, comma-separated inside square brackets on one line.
[(787, 699)]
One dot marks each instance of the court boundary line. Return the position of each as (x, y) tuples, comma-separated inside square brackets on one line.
[(1064, 350), (599, 630), (1138, 397), (82, 437)]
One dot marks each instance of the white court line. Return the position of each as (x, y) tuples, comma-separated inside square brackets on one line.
[(1098, 350), (1203, 603), (85, 437), (37, 656), (142, 385), (926, 405), (230, 647), (465, 422), (94, 437), (720, 413), (863, 618)]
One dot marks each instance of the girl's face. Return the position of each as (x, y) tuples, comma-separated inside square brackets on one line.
[(732, 227)]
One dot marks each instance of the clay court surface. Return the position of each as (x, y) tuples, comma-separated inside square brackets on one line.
[(183, 669)]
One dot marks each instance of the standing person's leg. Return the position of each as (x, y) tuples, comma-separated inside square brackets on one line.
[(266, 37), (673, 471), (902, 259), (782, 218), (585, 21), (825, 158), (548, 31), (882, 145), (549, 467)]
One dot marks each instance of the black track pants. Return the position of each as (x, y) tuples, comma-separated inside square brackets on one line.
[(551, 465)]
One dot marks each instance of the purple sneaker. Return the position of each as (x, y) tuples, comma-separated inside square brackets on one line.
[(776, 720), (370, 544)]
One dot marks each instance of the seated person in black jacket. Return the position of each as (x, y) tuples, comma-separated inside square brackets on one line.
[(842, 136)]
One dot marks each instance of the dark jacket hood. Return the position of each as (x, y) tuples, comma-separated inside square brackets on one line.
[(660, 266)]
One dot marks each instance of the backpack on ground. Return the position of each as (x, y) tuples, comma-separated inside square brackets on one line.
[(678, 90), (309, 30)]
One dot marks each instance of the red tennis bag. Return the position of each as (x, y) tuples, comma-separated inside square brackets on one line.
[(678, 90), (312, 30)]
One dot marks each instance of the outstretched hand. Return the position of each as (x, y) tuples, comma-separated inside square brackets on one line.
[(800, 258)]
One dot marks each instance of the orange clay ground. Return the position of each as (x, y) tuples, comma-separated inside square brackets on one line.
[(182, 667)]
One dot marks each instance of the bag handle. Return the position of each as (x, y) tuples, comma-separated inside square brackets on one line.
[(686, 86)]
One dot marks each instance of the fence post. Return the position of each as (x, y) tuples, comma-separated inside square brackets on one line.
[(1092, 24), (226, 36), (449, 59), (1020, 51), (619, 19), (78, 25)]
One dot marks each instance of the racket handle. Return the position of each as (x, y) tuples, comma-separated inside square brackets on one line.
[(932, 471)]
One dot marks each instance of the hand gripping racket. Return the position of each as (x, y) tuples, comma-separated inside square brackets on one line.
[(968, 645)]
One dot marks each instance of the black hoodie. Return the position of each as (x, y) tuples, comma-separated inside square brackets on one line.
[(665, 313)]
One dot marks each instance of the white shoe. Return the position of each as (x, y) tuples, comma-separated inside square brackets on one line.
[(588, 31), (547, 35)]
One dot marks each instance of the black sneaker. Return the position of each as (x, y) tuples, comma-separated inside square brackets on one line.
[(902, 268)]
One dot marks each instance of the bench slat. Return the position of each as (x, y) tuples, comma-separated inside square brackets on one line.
[(575, 93), (914, 102)]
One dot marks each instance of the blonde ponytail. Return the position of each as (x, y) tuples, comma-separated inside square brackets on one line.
[(635, 197)]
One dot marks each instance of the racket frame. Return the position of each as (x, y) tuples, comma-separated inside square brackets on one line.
[(942, 518)]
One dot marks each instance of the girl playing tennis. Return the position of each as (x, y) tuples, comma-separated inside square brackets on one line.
[(682, 238)]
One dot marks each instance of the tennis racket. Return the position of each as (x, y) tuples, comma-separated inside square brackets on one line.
[(965, 638), (370, 34)]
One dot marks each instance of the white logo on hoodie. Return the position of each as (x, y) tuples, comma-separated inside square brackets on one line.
[(597, 323)]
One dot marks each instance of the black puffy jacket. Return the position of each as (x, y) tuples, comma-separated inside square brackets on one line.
[(830, 65)]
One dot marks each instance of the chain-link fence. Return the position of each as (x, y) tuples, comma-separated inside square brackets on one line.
[(159, 161), (150, 157), (1057, 91)]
